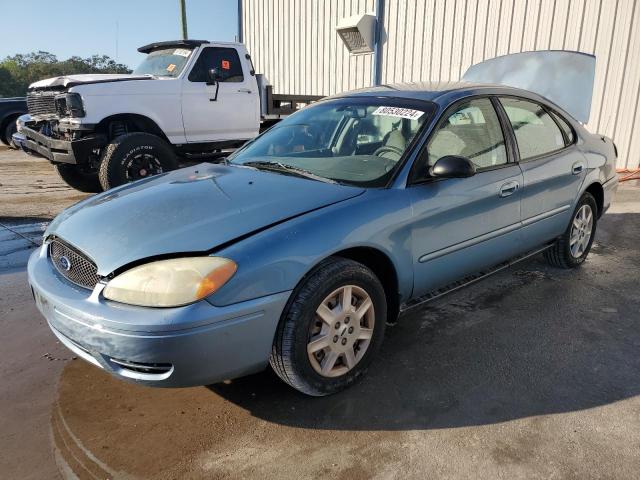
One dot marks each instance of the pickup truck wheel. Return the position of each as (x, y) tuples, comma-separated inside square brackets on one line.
[(135, 156), (572, 248), (331, 329), (78, 179)]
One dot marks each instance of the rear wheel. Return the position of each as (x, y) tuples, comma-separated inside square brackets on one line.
[(332, 328), (135, 156), (572, 248), (79, 179)]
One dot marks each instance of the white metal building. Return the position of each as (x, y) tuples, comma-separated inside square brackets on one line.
[(295, 44)]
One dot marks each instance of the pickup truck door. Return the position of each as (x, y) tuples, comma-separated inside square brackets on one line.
[(235, 113), (462, 225)]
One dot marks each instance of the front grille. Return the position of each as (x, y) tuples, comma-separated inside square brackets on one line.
[(73, 265), (42, 102)]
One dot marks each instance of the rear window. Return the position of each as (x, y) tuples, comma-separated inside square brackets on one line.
[(566, 128), (226, 60)]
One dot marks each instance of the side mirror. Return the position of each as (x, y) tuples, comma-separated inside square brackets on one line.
[(453, 166), (213, 76)]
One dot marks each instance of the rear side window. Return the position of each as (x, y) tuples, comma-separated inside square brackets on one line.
[(536, 132), (472, 130), (226, 60), (564, 125)]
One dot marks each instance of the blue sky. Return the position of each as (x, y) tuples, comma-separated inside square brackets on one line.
[(87, 27)]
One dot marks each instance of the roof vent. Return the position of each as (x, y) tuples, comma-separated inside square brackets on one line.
[(358, 33)]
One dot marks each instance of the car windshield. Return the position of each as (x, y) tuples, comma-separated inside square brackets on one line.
[(357, 141), (167, 62)]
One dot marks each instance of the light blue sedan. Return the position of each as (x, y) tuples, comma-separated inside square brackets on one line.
[(300, 248)]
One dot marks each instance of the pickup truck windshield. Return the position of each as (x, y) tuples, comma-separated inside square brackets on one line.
[(357, 141), (167, 62)]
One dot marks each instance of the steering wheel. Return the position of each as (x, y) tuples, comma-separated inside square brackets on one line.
[(389, 149)]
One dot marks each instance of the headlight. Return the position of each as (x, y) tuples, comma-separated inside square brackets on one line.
[(170, 283), (70, 104)]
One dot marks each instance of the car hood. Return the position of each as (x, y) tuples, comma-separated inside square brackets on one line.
[(195, 209), (67, 81)]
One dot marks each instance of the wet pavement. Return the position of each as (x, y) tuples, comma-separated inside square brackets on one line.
[(533, 373)]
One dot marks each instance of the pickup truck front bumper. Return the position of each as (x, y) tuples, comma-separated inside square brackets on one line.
[(56, 150)]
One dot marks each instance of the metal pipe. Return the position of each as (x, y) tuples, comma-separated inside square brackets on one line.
[(376, 73), (240, 39), (183, 19)]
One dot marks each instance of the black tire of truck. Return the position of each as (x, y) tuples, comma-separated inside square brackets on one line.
[(135, 156), (9, 129), (76, 178)]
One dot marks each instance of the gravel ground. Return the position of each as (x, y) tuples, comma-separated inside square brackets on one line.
[(533, 373)]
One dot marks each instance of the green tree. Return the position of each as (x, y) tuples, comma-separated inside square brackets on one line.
[(17, 72)]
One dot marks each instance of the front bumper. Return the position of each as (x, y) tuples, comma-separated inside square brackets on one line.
[(56, 150), (197, 344)]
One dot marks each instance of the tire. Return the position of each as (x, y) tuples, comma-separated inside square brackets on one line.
[(289, 357), (565, 255), (120, 159), (80, 180), (9, 130)]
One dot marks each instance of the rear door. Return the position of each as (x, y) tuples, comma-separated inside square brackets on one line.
[(553, 168), (463, 225), (235, 113)]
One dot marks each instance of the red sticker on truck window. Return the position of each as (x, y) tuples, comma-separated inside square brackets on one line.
[(226, 65)]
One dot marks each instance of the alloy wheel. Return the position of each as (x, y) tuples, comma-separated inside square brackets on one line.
[(581, 230), (143, 165)]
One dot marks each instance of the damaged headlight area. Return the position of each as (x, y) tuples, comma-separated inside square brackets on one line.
[(170, 283), (69, 105)]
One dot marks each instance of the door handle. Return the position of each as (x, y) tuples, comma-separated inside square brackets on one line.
[(244, 90), (577, 168), (509, 188)]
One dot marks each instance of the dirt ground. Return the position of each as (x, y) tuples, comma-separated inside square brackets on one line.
[(533, 373)]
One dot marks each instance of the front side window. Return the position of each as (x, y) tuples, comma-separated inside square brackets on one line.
[(536, 132), (167, 62), (472, 131), (226, 60), (356, 141)]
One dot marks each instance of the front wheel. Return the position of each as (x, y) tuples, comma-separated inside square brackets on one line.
[(84, 181), (331, 329), (572, 248), (135, 156)]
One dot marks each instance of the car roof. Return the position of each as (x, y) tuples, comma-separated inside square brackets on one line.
[(432, 91)]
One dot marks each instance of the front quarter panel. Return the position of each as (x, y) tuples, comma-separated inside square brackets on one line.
[(276, 259)]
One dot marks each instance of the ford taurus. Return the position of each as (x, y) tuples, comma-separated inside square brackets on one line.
[(306, 241)]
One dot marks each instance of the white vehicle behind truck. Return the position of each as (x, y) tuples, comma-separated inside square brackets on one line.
[(187, 99)]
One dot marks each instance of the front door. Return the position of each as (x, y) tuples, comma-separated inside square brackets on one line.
[(464, 225), (235, 113)]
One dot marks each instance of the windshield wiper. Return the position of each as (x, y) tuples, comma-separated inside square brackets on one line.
[(281, 167)]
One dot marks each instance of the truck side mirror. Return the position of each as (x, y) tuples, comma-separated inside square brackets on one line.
[(213, 76)]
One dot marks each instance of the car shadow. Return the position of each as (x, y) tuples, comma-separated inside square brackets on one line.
[(532, 341)]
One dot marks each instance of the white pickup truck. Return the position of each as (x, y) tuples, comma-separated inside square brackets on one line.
[(187, 99)]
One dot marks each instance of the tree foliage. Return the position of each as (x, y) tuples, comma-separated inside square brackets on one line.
[(18, 71)]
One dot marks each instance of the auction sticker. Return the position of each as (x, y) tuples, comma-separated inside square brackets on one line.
[(183, 52), (399, 112)]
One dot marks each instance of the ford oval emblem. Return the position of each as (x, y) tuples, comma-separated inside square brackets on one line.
[(64, 263)]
